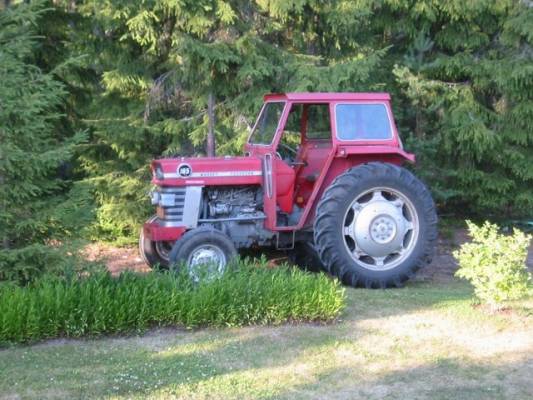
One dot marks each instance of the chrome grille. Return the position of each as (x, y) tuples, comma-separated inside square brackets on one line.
[(171, 203), (178, 206)]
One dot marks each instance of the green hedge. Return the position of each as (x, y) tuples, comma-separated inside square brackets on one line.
[(101, 304)]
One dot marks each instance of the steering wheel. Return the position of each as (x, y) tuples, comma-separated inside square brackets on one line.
[(288, 148), (292, 160)]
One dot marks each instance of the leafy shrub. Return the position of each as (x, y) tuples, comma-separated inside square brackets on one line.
[(495, 264), (23, 265), (99, 303)]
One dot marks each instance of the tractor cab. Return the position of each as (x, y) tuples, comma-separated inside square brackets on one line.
[(298, 134)]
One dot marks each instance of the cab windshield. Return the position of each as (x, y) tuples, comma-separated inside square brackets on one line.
[(267, 123)]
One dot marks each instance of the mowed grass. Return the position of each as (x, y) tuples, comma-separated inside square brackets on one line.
[(425, 341)]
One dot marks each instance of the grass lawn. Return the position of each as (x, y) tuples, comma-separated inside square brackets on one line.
[(425, 341)]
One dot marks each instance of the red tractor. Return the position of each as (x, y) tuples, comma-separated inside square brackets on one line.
[(321, 178)]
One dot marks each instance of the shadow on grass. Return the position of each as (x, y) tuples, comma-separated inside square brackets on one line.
[(442, 379), (82, 369)]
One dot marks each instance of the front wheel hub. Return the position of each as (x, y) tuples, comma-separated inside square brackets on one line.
[(206, 261)]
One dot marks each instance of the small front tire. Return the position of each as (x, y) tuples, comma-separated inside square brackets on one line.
[(204, 251)]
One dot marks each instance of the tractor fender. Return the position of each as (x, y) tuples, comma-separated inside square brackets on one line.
[(347, 157), (375, 152)]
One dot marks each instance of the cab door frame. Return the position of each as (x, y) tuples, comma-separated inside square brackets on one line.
[(267, 154)]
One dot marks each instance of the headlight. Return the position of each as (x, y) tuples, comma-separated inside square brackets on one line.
[(155, 197), (158, 173)]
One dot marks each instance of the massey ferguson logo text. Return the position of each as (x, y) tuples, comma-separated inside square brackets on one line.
[(184, 170), (221, 174)]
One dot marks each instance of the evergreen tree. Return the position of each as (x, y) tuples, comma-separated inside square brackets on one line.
[(174, 56), (152, 100), (467, 74), (459, 73), (34, 200)]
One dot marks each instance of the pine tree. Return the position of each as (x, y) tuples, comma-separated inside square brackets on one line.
[(468, 75), (459, 73), (32, 193), (178, 55)]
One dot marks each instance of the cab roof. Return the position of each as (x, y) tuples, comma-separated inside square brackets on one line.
[(327, 96)]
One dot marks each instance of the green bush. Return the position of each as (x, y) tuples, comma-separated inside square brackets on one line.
[(495, 264), (101, 304), (22, 266)]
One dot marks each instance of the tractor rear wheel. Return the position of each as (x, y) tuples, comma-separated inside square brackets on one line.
[(375, 226), (154, 253)]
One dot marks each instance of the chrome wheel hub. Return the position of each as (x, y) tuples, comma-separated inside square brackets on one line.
[(206, 261), (380, 228)]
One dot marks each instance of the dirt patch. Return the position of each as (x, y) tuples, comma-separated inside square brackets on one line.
[(443, 266), (117, 259), (441, 269)]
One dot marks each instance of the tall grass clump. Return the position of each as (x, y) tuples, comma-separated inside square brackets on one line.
[(495, 264), (101, 304)]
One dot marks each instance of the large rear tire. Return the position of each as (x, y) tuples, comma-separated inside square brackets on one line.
[(375, 226)]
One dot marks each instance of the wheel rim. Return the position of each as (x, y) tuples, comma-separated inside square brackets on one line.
[(206, 261), (163, 249), (380, 228)]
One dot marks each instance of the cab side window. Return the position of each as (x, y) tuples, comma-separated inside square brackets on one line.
[(291, 133), (362, 122), (318, 122)]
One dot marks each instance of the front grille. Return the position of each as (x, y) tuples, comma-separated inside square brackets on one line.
[(178, 206), (171, 204)]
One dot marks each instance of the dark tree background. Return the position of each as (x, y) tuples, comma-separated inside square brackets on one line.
[(91, 91)]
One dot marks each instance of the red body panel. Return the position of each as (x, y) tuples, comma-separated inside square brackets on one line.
[(156, 232), (326, 97), (284, 186), (376, 153), (207, 171), (315, 154)]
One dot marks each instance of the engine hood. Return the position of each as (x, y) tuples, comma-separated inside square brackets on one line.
[(203, 171)]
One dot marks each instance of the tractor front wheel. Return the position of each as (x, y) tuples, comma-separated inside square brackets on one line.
[(375, 226), (204, 251)]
